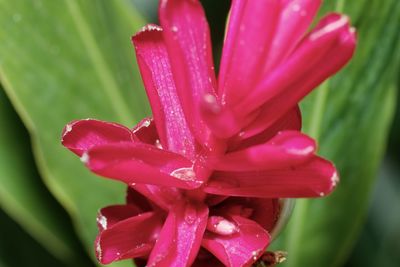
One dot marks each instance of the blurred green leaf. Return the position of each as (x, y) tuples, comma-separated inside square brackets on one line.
[(379, 243), (23, 195), (350, 116), (18, 249), (66, 60)]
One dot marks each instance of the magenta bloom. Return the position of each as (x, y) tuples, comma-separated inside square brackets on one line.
[(206, 174)]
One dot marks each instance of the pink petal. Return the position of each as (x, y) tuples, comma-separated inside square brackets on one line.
[(250, 31), (136, 198), (264, 211), (222, 120), (241, 248), (163, 196), (315, 178), (290, 121), (130, 238), (80, 136), (156, 71), (134, 163), (180, 237), (111, 215), (187, 38), (288, 148), (326, 50), (295, 18), (212, 200), (145, 131)]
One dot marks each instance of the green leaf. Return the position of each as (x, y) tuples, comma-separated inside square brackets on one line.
[(350, 116), (17, 248), (23, 195), (66, 60)]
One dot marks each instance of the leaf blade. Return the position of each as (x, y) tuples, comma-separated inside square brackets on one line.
[(55, 80)]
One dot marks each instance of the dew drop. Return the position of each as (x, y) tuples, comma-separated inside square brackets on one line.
[(190, 215), (301, 152), (186, 174), (225, 227)]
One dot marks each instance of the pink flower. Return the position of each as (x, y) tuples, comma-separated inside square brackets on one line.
[(206, 175)]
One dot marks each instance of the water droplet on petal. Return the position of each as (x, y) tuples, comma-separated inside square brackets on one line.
[(226, 227), (190, 215), (221, 226), (186, 174), (301, 152)]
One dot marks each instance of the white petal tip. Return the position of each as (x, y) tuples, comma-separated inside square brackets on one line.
[(85, 157)]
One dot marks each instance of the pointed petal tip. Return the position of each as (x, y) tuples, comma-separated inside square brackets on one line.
[(335, 179), (142, 164), (81, 135), (295, 142), (187, 39), (315, 178), (330, 24), (85, 158), (218, 118), (145, 29), (336, 23), (113, 244), (66, 130), (332, 180)]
